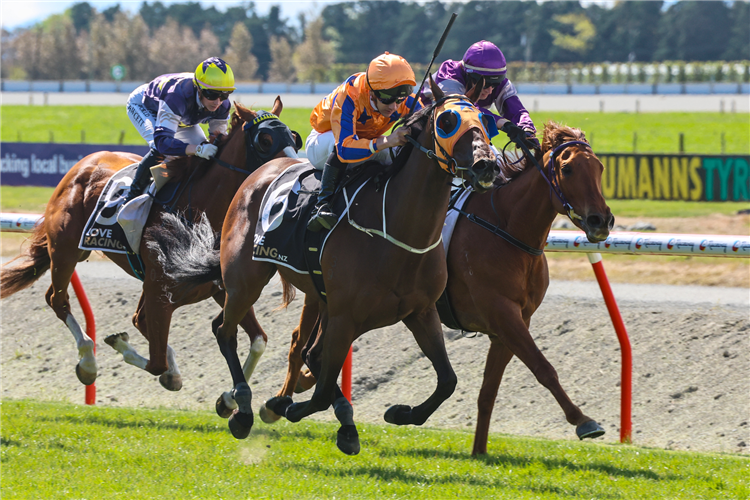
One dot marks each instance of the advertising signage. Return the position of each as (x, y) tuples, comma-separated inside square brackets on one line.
[(676, 177), (45, 164)]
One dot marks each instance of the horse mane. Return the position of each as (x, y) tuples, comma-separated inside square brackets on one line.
[(187, 164), (554, 134)]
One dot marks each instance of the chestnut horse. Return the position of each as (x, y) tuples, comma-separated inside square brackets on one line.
[(54, 244), (370, 282), (496, 283)]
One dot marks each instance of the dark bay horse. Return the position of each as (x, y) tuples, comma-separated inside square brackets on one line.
[(54, 243), (370, 281), (494, 286)]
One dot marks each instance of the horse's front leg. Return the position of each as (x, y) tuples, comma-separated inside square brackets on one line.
[(326, 358), (513, 332), (225, 404), (425, 326), (498, 358)]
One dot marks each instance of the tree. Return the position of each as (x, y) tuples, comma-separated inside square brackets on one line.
[(313, 56), (130, 44), (59, 55), (81, 14), (738, 44), (282, 66), (174, 49), (577, 37), (208, 44), (243, 63)]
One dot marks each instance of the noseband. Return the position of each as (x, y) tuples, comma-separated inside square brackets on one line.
[(551, 176)]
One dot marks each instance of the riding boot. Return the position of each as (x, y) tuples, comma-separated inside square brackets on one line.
[(323, 216), (143, 174)]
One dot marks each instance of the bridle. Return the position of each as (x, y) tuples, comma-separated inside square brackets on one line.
[(552, 180)]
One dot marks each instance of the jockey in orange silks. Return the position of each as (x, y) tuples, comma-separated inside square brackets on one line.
[(348, 125)]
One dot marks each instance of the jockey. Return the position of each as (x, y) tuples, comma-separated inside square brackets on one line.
[(484, 62), (348, 125), (167, 113)]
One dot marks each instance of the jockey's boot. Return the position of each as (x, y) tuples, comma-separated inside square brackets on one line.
[(323, 216), (143, 174)]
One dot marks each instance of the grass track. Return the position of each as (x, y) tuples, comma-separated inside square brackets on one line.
[(608, 132), (55, 450)]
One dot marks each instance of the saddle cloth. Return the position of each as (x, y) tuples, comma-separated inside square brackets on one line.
[(112, 227), (281, 235)]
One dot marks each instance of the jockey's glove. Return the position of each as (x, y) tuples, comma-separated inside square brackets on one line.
[(531, 137), (516, 134), (206, 151)]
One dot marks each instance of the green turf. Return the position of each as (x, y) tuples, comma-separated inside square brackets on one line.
[(608, 132), (54, 450)]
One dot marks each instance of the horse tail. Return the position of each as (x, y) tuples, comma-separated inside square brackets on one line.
[(35, 261), (188, 255), (289, 292)]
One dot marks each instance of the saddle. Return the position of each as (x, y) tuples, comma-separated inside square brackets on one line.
[(281, 236)]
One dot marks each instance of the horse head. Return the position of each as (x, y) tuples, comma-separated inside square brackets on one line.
[(265, 136), (575, 175), (461, 135)]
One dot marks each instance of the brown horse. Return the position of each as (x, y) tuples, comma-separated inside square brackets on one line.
[(496, 283), (54, 244), (371, 282)]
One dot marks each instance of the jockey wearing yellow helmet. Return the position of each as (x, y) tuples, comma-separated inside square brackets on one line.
[(168, 111), (348, 125)]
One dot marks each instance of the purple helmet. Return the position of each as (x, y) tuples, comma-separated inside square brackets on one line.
[(485, 59)]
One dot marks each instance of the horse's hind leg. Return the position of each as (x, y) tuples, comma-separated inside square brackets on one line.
[(62, 266), (498, 358), (514, 333), (308, 321), (425, 326)]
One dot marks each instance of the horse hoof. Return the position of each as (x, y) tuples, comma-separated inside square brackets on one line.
[(267, 415), (589, 429), (398, 415), (347, 439), (111, 340), (240, 424), (171, 381), (84, 377), (279, 404), (222, 409)]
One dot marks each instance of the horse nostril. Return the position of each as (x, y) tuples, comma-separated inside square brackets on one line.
[(611, 223), (594, 221)]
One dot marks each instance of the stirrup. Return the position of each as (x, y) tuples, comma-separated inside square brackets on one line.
[(322, 219)]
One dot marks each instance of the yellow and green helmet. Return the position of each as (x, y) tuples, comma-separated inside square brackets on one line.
[(214, 74)]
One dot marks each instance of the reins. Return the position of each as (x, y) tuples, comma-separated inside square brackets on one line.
[(554, 185), (452, 168)]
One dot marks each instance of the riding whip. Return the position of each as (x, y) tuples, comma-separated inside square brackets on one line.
[(434, 56)]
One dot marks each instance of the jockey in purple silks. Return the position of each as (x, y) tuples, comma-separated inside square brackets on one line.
[(484, 62)]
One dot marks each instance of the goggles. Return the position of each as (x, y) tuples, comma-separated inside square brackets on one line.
[(489, 81), (396, 94), (212, 95)]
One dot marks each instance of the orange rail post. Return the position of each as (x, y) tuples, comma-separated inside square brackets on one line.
[(90, 397), (626, 382)]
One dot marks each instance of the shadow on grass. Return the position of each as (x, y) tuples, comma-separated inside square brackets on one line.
[(506, 459)]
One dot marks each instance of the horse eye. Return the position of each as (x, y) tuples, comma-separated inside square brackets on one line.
[(264, 143), (446, 123)]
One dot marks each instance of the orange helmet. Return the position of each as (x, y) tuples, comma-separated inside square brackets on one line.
[(390, 76)]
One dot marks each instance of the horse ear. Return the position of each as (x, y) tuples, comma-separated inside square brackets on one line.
[(473, 93), (437, 92), (246, 114), (277, 106)]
